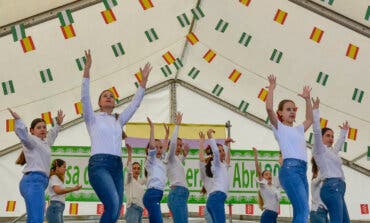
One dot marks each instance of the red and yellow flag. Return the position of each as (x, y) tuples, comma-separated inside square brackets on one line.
[(352, 51), (245, 2), (78, 108), (27, 44), (235, 75), (316, 34), (168, 57), (47, 117), (10, 123), (192, 38), (108, 16), (280, 16), (10, 206), (352, 133), (209, 56), (263, 94), (139, 76), (323, 123), (114, 91), (146, 4), (73, 208), (68, 31)]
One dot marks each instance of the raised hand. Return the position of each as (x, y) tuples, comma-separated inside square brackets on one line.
[(60, 117), (306, 92), (210, 132), (202, 136), (272, 81), (145, 74), (150, 122), (186, 149), (178, 118), (166, 130), (14, 114), (76, 188), (129, 149), (315, 103), (87, 64), (228, 141), (344, 126), (255, 152)]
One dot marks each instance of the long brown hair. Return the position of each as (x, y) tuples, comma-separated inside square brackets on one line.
[(21, 160), (260, 201), (281, 106), (57, 163), (315, 168)]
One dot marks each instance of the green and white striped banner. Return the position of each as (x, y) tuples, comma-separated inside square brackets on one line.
[(166, 70), (217, 90), (367, 15), (194, 72), (178, 64), (330, 2), (183, 20), (18, 32), (108, 4), (276, 56), (81, 63), (197, 13), (243, 106), (46, 75), (322, 78), (8, 87), (245, 39), (65, 17), (151, 35), (118, 49), (221, 26), (344, 147), (358, 95)]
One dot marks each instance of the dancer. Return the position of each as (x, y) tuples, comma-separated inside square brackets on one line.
[(319, 212), (292, 143), (105, 130), (269, 194), (217, 196), (36, 154), (57, 191), (330, 164)]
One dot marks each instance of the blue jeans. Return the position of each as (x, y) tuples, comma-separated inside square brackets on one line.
[(134, 214), (216, 206), (332, 194), (54, 213), (178, 204), (152, 202), (106, 178), (269, 216), (207, 216), (32, 188), (293, 178), (319, 216)]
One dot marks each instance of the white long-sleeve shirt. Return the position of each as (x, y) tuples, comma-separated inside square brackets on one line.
[(36, 150), (207, 181), (327, 159), (316, 201), (271, 194), (104, 130), (156, 171), (175, 169), (134, 189), (291, 141), (219, 169)]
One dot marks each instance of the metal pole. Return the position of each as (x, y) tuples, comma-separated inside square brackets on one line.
[(228, 126)]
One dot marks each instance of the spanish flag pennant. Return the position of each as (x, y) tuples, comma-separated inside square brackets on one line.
[(114, 92), (47, 117), (245, 2), (280, 16), (68, 31), (352, 133), (146, 4), (139, 76), (168, 57), (316, 34), (352, 51), (108, 16), (234, 76), (78, 108), (192, 38), (209, 56), (323, 123), (73, 208), (10, 206), (262, 95), (10, 123), (27, 44)]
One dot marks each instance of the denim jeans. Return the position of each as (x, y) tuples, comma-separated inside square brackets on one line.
[(134, 214), (54, 213), (269, 216), (152, 202), (332, 194), (178, 204), (216, 206), (32, 188), (207, 216), (319, 216), (293, 178), (106, 178)]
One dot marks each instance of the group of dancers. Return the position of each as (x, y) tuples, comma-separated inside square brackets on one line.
[(165, 160)]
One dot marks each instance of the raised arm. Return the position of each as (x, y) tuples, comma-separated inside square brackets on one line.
[(152, 151), (53, 133), (21, 131), (136, 101), (270, 101), (258, 168), (167, 134), (306, 96), (87, 109), (173, 142), (342, 137), (318, 147), (213, 144), (129, 164), (227, 148), (59, 190), (202, 139)]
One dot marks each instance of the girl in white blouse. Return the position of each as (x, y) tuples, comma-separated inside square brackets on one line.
[(269, 194)]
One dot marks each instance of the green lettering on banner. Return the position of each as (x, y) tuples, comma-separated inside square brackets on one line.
[(242, 174)]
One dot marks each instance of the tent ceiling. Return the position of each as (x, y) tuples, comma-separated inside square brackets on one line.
[(245, 39)]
